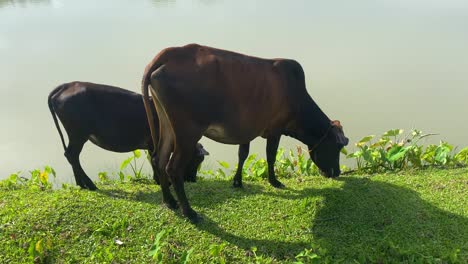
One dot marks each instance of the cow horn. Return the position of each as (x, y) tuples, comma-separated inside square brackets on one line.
[(336, 123)]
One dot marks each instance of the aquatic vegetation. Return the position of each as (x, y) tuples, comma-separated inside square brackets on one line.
[(135, 166), (39, 178), (395, 151)]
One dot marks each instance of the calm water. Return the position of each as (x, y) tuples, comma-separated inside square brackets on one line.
[(375, 65)]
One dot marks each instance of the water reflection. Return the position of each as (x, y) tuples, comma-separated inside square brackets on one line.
[(22, 3), (166, 3), (163, 3), (375, 66)]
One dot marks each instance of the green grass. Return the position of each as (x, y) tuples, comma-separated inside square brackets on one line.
[(414, 217)]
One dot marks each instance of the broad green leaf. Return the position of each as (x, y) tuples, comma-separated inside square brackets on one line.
[(344, 151), (462, 156), (39, 247), (137, 153), (442, 153), (446, 145), (50, 170), (364, 140), (261, 171), (279, 154), (381, 143), (126, 162), (224, 164), (367, 155), (398, 154), (356, 154), (393, 133), (249, 160)]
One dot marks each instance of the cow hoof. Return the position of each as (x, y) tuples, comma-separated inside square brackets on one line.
[(277, 184), (92, 188), (237, 184)]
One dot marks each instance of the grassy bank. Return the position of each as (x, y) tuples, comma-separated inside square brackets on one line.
[(419, 216)]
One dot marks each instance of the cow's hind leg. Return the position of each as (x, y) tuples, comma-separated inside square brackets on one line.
[(176, 168), (243, 153), (271, 149), (176, 133), (72, 154), (162, 159)]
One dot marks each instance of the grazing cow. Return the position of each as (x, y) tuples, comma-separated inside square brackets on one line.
[(110, 117), (231, 98)]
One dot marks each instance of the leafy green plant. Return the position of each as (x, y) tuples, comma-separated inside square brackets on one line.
[(111, 229), (103, 177), (314, 254), (462, 157), (298, 164), (219, 173), (185, 257), (158, 245), (39, 249), (259, 259), (394, 151), (12, 182), (286, 165), (135, 167), (102, 255), (40, 178), (216, 252)]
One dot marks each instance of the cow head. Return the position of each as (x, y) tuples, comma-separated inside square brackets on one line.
[(326, 151), (197, 159)]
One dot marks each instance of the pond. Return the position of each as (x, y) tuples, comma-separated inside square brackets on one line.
[(374, 65)]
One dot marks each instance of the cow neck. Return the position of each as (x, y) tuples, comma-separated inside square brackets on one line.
[(312, 123)]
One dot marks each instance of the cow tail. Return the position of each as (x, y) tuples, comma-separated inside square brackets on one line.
[(52, 111), (154, 65)]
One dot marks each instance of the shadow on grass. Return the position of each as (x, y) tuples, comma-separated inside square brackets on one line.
[(374, 221), (203, 194), (278, 249), (366, 220)]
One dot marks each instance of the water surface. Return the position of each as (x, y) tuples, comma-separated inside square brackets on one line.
[(374, 65)]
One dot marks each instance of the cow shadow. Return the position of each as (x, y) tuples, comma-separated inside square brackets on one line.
[(201, 194), (385, 221), (374, 218), (377, 219)]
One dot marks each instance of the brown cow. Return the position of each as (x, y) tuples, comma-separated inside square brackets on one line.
[(231, 98), (110, 117)]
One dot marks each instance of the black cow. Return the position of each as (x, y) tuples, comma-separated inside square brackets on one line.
[(231, 98), (110, 117)]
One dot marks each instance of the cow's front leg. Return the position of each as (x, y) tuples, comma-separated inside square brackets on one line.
[(271, 149), (243, 153)]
